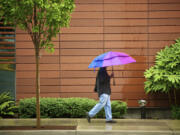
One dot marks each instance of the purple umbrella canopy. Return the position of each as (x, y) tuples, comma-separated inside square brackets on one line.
[(111, 59)]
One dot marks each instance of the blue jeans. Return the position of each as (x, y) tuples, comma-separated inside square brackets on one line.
[(104, 101)]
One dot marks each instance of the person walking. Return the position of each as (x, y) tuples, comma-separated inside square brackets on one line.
[(102, 87)]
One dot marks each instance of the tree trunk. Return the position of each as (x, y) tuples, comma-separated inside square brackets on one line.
[(169, 97), (175, 98), (38, 124)]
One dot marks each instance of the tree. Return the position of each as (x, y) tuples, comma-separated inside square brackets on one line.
[(42, 19), (164, 76)]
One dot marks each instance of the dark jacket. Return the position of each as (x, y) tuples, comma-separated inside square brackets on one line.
[(102, 82)]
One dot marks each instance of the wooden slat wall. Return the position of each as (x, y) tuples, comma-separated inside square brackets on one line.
[(163, 29), (137, 27)]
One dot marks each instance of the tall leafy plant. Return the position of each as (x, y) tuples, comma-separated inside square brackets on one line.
[(7, 105), (164, 76), (42, 19)]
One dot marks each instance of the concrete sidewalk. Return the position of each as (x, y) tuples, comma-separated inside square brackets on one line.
[(97, 126)]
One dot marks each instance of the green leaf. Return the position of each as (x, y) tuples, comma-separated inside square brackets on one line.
[(7, 106), (165, 74), (35, 29)]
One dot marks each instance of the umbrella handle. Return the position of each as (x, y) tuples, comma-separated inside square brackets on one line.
[(114, 81), (113, 76)]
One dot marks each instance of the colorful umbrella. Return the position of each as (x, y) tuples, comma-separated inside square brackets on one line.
[(111, 59)]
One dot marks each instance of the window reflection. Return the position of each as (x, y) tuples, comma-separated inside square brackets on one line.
[(7, 58)]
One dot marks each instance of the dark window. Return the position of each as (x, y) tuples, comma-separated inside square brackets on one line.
[(7, 58)]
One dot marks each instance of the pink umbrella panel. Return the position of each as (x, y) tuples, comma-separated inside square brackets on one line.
[(110, 59)]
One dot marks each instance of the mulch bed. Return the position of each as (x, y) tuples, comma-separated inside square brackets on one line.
[(35, 128)]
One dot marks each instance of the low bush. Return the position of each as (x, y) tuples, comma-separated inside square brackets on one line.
[(7, 106), (119, 108), (66, 108), (164, 75), (175, 112)]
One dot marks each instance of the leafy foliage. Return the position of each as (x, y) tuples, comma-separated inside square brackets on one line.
[(7, 105), (66, 108), (118, 108), (42, 19), (164, 76), (176, 112)]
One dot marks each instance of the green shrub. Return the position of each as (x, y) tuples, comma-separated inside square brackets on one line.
[(7, 105), (164, 76), (27, 108), (118, 109), (175, 112), (66, 108)]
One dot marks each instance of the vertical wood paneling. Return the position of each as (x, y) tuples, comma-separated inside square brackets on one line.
[(137, 27), (125, 30), (163, 29)]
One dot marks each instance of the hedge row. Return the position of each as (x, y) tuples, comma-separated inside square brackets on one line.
[(8, 107), (66, 108), (175, 112)]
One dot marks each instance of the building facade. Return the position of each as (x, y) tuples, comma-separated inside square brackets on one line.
[(137, 27)]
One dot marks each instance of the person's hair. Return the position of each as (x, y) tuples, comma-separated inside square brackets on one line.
[(102, 74)]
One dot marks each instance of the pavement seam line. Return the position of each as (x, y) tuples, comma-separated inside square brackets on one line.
[(170, 128)]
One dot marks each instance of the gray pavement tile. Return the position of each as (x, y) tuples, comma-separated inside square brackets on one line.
[(125, 128), (173, 124), (32, 122), (97, 132), (176, 133), (97, 127)]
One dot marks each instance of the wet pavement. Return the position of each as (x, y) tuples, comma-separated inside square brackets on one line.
[(96, 127)]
